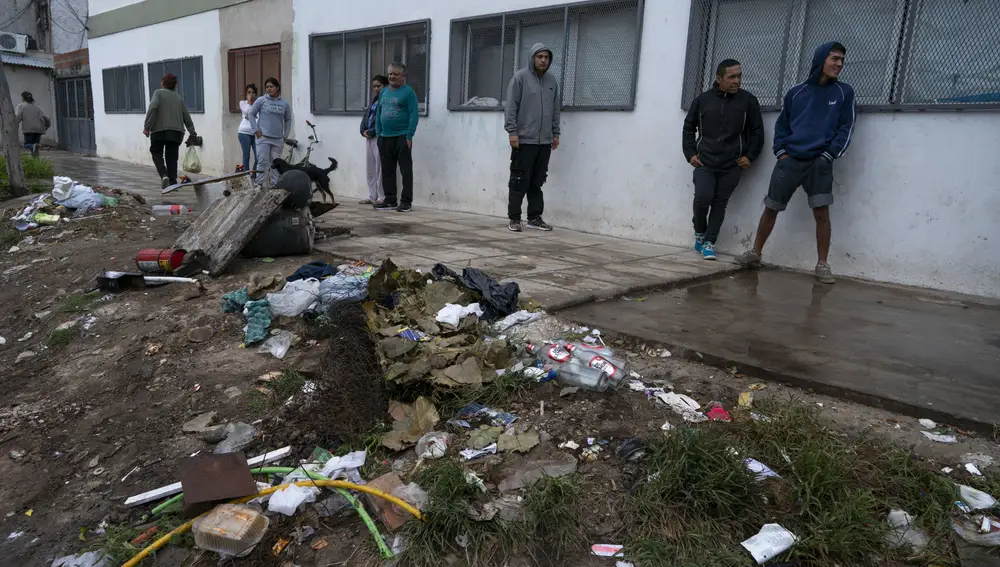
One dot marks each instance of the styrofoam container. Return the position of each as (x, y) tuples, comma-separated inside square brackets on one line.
[(230, 529)]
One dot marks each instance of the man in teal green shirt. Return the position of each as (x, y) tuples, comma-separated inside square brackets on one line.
[(395, 124)]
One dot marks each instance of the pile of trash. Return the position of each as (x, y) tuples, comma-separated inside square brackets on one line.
[(68, 199)]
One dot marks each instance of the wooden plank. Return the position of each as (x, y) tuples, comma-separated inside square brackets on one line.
[(228, 224), (175, 488), (205, 181)]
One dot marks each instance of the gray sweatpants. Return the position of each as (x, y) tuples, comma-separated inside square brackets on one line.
[(268, 150), (375, 192)]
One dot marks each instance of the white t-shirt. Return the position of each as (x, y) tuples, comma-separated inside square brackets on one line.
[(245, 124)]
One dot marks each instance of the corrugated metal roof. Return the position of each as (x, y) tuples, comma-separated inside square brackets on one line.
[(26, 60)]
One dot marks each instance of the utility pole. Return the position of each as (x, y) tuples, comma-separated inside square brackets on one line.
[(8, 137)]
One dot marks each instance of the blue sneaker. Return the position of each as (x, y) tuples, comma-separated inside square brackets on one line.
[(708, 251), (699, 239)]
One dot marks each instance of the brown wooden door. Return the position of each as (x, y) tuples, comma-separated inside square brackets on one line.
[(251, 65)]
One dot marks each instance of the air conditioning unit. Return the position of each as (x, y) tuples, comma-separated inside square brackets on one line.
[(13, 42)]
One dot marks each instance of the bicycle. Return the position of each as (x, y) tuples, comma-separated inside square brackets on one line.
[(293, 144)]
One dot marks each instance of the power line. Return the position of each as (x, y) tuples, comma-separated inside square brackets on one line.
[(75, 14), (18, 15)]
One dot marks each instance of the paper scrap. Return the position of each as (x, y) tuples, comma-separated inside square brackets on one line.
[(940, 438), (760, 469), (469, 454), (771, 541), (973, 469), (746, 400), (927, 424), (666, 426), (606, 550), (571, 445), (686, 406), (947, 470)]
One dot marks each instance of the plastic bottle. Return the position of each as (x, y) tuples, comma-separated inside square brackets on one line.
[(600, 358), (575, 373), (171, 210)]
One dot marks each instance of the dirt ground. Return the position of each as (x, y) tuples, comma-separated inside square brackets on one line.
[(107, 400)]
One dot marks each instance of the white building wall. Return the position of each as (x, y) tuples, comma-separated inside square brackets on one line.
[(119, 136), (917, 200)]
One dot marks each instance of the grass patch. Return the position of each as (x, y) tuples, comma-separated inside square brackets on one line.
[(117, 539), (59, 339), (77, 303), (697, 502), (37, 171), (9, 237), (553, 511), (278, 391), (448, 523)]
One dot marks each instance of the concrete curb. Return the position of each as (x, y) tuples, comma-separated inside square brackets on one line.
[(656, 285)]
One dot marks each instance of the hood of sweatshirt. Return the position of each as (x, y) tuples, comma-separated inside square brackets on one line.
[(819, 58), (535, 50)]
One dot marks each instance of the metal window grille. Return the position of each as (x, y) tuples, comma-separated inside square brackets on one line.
[(342, 65), (901, 54), (595, 54), (190, 80), (123, 90)]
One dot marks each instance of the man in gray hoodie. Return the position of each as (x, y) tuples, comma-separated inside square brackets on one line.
[(531, 118)]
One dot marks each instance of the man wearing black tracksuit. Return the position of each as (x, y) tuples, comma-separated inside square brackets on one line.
[(723, 134)]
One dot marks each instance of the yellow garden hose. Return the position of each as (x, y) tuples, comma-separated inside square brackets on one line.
[(330, 483)]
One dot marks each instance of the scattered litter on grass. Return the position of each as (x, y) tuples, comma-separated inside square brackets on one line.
[(760, 470), (452, 314), (745, 400), (771, 541), (981, 460), (683, 405), (476, 414), (606, 550), (433, 445), (470, 454), (973, 469), (571, 445), (975, 499), (927, 424), (718, 413)]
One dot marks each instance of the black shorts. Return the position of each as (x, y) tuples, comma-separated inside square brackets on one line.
[(814, 175)]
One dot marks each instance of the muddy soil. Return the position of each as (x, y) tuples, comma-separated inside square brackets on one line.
[(86, 424)]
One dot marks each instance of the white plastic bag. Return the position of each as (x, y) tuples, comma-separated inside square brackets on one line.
[(277, 344), (287, 501), (453, 314), (192, 161), (976, 499), (61, 187), (433, 445), (411, 494), (295, 298)]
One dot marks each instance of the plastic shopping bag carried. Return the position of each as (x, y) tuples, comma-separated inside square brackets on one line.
[(192, 161)]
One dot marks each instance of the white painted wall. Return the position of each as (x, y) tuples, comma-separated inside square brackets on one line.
[(39, 83), (119, 136), (917, 200)]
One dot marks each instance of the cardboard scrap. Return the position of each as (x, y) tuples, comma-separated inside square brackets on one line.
[(410, 423), (518, 443)]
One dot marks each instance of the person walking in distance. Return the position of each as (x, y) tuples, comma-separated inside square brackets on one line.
[(246, 132), (374, 161), (395, 124), (165, 122), (531, 119), (271, 120), (813, 129), (730, 135), (33, 122)]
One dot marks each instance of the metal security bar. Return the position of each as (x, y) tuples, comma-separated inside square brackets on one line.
[(901, 54), (342, 65), (595, 54)]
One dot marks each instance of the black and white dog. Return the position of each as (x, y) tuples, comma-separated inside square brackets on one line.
[(320, 177)]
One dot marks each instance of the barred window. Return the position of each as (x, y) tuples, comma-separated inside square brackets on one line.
[(901, 54), (343, 64), (123, 90), (595, 54), (190, 80)]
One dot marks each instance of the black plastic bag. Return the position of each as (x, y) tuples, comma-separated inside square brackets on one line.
[(501, 299)]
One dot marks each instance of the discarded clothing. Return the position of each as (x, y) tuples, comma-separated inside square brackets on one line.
[(318, 270), (501, 299)]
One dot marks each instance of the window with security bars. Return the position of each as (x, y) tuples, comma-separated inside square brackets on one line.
[(344, 63), (595, 54), (251, 65), (901, 54), (190, 80), (123, 90)]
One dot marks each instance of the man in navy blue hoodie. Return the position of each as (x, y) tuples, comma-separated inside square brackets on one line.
[(813, 129)]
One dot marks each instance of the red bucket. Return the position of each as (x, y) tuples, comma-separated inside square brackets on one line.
[(159, 260)]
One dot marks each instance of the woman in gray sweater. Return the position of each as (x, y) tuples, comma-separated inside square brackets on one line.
[(33, 122), (165, 122), (271, 120)]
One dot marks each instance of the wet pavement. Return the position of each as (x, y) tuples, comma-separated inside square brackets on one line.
[(920, 353), (558, 269)]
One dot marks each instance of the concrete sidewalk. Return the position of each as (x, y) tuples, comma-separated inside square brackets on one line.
[(918, 352), (559, 269)]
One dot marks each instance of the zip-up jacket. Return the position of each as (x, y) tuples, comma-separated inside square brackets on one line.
[(728, 127), (368, 120), (816, 120), (532, 111)]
